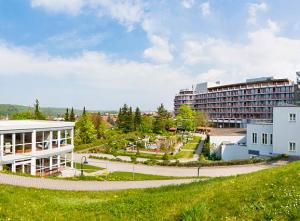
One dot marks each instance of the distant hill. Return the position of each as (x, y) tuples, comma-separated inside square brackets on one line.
[(9, 109)]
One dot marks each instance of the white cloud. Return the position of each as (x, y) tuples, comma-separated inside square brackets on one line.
[(205, 9), (69, 6), (187, 3), (160, 51), (133, 81), (252, 12), (264, 54), (127, 12)]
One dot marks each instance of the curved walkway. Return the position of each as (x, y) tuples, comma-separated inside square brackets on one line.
[(112, 166), (53, 184)]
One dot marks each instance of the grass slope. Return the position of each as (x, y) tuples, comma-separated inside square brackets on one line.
[(126, 176), (272, 194)]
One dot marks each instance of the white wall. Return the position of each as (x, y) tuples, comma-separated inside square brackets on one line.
[(259, 129), (216, 141), (286, 131), (234, 152)]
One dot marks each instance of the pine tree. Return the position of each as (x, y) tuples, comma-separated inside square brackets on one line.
[(84, 111), (72, 115), (137, 119), (67, 115), (161, 119), (129, 120), (38, 115)]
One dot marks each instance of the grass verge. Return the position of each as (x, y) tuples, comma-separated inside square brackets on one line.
[(272, 194)]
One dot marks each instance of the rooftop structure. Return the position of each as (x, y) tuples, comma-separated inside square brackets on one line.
[(36, 147), (235, 105)]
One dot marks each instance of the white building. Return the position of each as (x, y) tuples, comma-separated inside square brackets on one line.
[(36, 147), (269, 139), (280, 137)]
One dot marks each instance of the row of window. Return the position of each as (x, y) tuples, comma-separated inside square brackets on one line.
[(292, 117), (265, 138)]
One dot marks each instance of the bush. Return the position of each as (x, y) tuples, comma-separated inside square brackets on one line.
[(165, 157), (133, 158)]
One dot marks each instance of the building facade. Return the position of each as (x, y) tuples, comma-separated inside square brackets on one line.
[(280, 137), (235, 105), (265, 139), (36, 147)]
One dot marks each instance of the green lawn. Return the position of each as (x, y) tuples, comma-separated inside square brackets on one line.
[(87, 168), (184, 154), (126, 176), (272, 194)]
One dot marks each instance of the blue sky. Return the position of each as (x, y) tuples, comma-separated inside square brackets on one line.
[(104, 53)]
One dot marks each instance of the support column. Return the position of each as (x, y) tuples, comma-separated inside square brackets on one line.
[(58, 138), (33, 146), (13, 167), (72, 137), (65, 160), (50, 140), (14, 144), (58, 161), (72, 160), (1, 149), (51, 163), (33, 166), (1, 146)]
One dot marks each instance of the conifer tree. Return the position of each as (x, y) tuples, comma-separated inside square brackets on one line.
[(72, 115), (137, 119), (67, 115), (38, 115)]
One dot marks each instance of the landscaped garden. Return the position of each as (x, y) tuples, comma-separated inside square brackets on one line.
[(272, 194)]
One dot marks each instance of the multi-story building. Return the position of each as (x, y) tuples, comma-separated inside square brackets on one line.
[(36, 147), (234, 105)]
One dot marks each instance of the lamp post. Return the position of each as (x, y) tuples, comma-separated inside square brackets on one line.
[(82, 163)]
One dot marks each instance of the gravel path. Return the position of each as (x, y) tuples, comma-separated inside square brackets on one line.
[(53, 184), (177, 171)]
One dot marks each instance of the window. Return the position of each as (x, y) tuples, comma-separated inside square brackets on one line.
[(271, 139), (292, 146), (292, 117), (254, 138), (264, 138)]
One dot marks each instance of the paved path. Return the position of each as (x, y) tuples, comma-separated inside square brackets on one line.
[(55, 184), (176, 171), (200, 147)]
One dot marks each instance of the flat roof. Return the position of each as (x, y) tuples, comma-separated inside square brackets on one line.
[(6, 125), (286, 80)]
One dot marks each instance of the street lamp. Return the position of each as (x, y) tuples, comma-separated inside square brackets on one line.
[(82, 163)]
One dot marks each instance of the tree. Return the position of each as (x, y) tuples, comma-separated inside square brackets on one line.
[(72, 115), (160, 122), (85, 130), (67, 115), (38, 115), (146, 124), (186, 118), (137, 119), (201, 119), (99, 125), (125, 119), (26, 115)]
